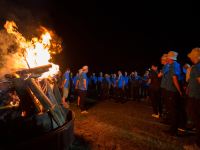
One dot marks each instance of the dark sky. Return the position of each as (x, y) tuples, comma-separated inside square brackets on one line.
[(111, 35)]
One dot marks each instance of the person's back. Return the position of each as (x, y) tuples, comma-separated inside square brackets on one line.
[(82, 77)]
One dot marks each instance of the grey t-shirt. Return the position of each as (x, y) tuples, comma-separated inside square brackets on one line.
[(193, 85)]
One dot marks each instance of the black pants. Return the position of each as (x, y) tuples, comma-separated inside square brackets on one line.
[(144, 92), (174, 109), (82, 95), (155, 96), (126, 92), (193, 112), (135, 92), (120, 93)]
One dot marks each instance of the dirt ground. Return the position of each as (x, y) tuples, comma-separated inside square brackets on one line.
[(116, 126)]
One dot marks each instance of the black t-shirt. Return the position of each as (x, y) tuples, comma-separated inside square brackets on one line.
[(155, 81)]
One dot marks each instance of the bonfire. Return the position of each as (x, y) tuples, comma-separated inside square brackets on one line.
[(28, 88)]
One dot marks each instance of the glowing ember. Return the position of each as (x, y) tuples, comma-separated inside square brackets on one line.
[(35, 52)]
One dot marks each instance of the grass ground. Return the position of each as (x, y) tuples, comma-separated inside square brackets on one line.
[(116, 126)]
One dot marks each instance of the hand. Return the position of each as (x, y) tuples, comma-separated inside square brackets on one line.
[(65, 104), (181, 94)]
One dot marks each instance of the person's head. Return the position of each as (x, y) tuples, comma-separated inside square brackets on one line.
[(146, 73), (132, 73), (67, 69), (106, 75), (154, 67), (101, 74), (135, 73), (85, 69), (125, 73), (119, 73), (171, 57), (114, 75), (93, 74), (164, 59), (194, 55)]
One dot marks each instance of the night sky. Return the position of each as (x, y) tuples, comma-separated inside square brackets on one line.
[(112, 35)]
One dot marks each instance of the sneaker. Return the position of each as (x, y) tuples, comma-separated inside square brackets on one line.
[(155, 116), (84, 112)]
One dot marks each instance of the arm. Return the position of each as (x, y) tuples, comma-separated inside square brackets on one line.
[(85, 83), (77, 83), (176, 83), (198, 80), (63, 83), (160, 74)]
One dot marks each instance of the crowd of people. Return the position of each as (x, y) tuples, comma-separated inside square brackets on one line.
[(174, 90)]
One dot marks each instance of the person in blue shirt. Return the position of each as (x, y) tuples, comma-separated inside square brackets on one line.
[(145, 85), (106, 83), (93, 86), (65, 87), (113, 85), (174, 93), (99, 85), (126, 85), (82, 89), (135, 86), (75, 78), (120, 87), (194, 93)]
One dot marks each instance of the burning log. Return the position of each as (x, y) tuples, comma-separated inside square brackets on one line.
[(35, 70)]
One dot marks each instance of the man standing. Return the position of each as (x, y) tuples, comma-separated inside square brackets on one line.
[(155, 94), (126, 85), (164, 74), (93, 86), (65, 87), (99, 85), (82, 89), (174, 92), (135, 86), (113, 85), (120, 86), (194, 94)]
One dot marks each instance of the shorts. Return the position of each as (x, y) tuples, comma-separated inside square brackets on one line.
[(65, 92)]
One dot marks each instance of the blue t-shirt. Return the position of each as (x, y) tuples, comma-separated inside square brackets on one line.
[(120, 82), (81, 82), (145, 81), (100, 79), (67, 78), (75, 78), (113, 82), (93, 79), (108, 80), (174, 70), (126, 80), (165, 71), (193, 85)]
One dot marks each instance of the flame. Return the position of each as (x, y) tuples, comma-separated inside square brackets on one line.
[(35, 52)]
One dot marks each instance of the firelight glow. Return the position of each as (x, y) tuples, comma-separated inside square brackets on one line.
[(35, 52)]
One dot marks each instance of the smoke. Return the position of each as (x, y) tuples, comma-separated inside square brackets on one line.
[(10, 55)]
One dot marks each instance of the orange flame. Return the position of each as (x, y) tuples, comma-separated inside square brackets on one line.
[(36, 52)]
